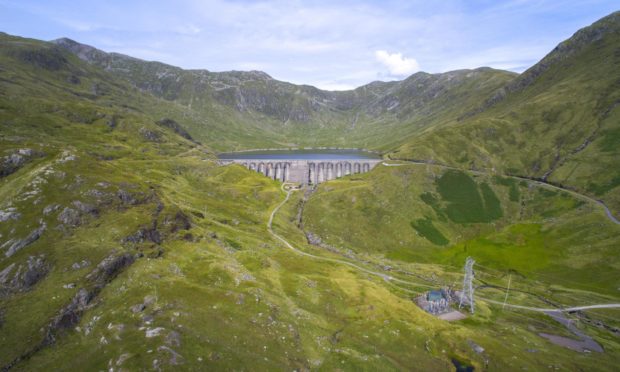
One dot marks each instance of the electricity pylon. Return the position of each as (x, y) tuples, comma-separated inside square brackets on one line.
[(468, 288)]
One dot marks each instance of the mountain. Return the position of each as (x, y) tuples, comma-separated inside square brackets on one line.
[(374, 115), (558, 121), (124, 245)]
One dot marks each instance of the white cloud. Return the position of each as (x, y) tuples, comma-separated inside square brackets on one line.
[(396, 63)]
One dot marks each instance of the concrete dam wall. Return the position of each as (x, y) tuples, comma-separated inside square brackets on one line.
[(306, 172)]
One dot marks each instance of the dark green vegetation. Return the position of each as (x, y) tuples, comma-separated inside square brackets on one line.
[(124, 245), (467, 202), (425, 228)]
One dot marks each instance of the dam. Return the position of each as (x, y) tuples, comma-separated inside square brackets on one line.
[(306, 167)]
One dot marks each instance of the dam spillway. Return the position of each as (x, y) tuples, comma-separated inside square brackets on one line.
[(306, 168)]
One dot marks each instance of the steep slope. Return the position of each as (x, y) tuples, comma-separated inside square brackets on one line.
[(558, 121), (374, 115)]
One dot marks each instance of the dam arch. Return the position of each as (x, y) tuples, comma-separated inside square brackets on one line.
[(306, 172)]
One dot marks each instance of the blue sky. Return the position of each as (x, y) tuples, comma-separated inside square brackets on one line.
[(330, 44)]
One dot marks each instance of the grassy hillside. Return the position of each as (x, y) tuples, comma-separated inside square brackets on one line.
[(421, 222), (125, 246), (558, 121), (429, 214)]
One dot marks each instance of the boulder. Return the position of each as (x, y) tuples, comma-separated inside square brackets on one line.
[(70, 217)]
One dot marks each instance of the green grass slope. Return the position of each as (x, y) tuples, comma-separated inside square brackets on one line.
[(417, 213), (557, 121)]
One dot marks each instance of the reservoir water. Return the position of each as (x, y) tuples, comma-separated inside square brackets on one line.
[(305, 154)]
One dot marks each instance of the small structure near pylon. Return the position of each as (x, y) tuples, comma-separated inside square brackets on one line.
[(435, 301), (439, 303)]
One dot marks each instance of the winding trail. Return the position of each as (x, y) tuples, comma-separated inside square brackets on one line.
[(392, 279)]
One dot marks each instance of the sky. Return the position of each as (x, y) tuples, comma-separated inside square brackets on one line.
[(334, 45)]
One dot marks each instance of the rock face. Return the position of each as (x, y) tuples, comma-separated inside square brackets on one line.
[(12, 162), (22, 277), (31, 238), (256, 91)]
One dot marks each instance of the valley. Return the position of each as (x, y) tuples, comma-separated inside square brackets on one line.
[(139, 231)]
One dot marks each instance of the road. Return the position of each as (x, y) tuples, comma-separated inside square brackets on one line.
[(539, 309), (392, 279)]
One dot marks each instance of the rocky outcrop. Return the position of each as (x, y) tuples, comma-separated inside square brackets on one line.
[(9, 214), (144, 234), (109, 268), (70, 217), (47, 58), (70, 315), (22, 243), (131, 198), (74, 216), (176, 127), (180, 221), (12, 162), (20, 278)]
